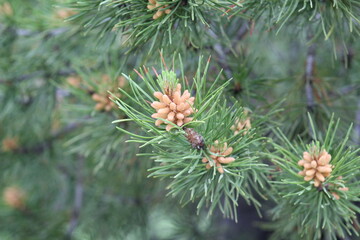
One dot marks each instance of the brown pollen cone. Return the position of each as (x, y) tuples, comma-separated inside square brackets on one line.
[(14, 197), (316, 167), (74, 81), (336, 196), (240, 125), (221, 156), (102, 99), (6, 9), (160, 8), (103, 102), (10, 144), (173, 106), (64, 13), (336, 188)]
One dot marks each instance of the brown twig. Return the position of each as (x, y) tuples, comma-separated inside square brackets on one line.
[(223, 52)]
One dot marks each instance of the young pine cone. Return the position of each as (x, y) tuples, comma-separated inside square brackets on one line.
[(316, 167), (173, 107), (240, 125), (221, 152), (160, 10)]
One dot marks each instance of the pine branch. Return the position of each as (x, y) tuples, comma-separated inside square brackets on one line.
[(323, 175), (309, 77), (28, 33), (142, 22), (67, 129), (357, 126), (243, 30), (42, 146), (61, 73), (223, 52), (78, 197), (188, 153)]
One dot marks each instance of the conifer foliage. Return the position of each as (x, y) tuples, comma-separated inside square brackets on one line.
[(179, 119), (175, 152)]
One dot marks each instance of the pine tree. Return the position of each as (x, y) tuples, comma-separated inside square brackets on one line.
[(179, 119)]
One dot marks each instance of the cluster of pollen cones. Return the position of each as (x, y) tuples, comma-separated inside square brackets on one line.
[(103, 102), (316, 167), (102, 98), (173, 107), (6, 9), (221, 151), (160, 8), (241, 125)]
